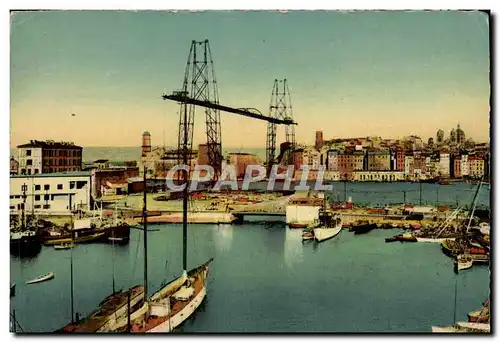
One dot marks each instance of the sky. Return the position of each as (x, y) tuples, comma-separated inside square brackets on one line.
[(388, 74)]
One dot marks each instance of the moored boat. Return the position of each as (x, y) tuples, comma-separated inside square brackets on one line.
[(41, 278), (12, 289), (111, 310), (464, 261), (433, 240), (325, 232), (363, 227), (67, 245), (481, 315)]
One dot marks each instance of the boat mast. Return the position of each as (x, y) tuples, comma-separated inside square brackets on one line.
[(185, 191), (71, 260), (145, 227), (474, 205), (23, 223)]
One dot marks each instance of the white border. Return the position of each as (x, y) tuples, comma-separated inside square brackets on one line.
[(144, 4)]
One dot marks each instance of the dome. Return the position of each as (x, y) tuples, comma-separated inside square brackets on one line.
[(146, 133)]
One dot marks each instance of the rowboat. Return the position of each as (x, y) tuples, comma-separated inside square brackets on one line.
[(41, 278), (12, 289), (67, 245)]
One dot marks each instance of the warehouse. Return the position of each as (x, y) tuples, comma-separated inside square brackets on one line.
[(49, 193)]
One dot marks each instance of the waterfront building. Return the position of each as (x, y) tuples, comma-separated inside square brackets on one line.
[(476, 166), (332, 176), (358, 158), (379, 161), (408, 165), (49, 193), (464, 165), (298, 158), (457, 162), (49, 157), (14, 166), (346, 164), (111, 181), (101, 164), (311, 157), (241, 161), (378, 176), (332, 160), (444, 163)]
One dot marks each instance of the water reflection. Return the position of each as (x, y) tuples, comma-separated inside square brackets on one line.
[(223, 237), (293, 247)]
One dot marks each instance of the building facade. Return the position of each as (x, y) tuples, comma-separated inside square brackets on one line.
[(49, 157), (379, 161), (49, 193), (444, 164), (476, 166), (464, 165), (378, 176), (457, 162), (332, 161), (14, 167)]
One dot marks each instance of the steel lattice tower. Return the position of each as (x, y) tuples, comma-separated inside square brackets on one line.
[(280, 107), (200, 84)]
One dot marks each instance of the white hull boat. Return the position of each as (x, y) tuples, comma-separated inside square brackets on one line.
[(464, 327), (41, 278), (434, 240), (323, 233)]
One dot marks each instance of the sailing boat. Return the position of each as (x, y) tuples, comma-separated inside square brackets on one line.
[(110, 310), (25, 242), (175, 302)]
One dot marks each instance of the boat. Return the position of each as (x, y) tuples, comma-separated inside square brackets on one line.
[(12, 289), (433, 240), (24, 239), (329, 227), (113, 308), (363, 227), (464, 261), (41, 278), (391, 239), (67, 245), (297, 225), (82, 236), (308, 234), (463, 327), (110, 311), (481, 315), (175, 302)]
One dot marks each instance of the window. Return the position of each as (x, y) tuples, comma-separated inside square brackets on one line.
[(28, 153), (46, 206), (29, 171), (12, 207), (37, 206), (29, 162), (72, 184), (46, 197), (36, 171), (46, 187), (59, 186), (12, 196), (37, 197)]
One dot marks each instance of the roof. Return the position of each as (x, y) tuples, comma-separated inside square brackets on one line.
[(50, 144), (98, 161), (57, 174)]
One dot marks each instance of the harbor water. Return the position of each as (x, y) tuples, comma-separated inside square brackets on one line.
[(263, 279)]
